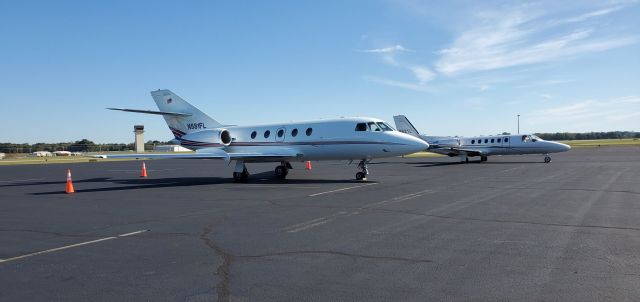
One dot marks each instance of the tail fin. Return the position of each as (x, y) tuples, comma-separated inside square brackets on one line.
[(404, 125), (191, 120)]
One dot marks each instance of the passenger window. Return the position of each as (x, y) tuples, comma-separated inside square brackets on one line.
[(499, 140), (506, 139), (373, 126), (361, 127), (309, 131), (486, 140), (384, 127), (267, 133), (473, 141), (294, 132), (492, 140), (253, 134), (280, 133), (524, 139)]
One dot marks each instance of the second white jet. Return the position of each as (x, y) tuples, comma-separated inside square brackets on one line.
[(483, 146)]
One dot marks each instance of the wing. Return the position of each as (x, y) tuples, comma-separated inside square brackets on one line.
[(216, 153), (454, 151)]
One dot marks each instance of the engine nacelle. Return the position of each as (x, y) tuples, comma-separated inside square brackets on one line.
[(217, 136)]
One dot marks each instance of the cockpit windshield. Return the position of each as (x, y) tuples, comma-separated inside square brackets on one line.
[(373, 126), (530, 138), (385, 127)]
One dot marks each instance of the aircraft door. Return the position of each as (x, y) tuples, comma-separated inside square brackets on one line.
[(281, 133)]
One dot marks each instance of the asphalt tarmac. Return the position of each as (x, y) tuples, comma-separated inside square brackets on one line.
[(420, 229)]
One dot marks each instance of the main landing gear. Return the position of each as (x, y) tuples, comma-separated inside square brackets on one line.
[(283, 169), (547, 158), (364, 170), (483, 158), (240, 174)]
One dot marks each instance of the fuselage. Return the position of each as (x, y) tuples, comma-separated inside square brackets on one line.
[(334, 139), (494, 145)]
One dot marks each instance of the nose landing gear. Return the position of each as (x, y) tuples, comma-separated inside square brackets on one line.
[(282, 170), (547, 158), (362, 175)]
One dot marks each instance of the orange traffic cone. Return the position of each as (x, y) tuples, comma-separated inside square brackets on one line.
[(144, 170), (308, 165), (69, 188)]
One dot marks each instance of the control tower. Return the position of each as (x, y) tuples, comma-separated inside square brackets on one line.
[(139, 144)]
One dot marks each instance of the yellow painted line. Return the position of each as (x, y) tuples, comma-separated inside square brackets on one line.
[(70, 246)]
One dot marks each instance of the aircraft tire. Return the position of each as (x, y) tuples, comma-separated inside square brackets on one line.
[(241, 176), (281, 172)]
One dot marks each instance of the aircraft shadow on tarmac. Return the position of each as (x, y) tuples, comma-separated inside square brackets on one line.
[(148, 183)]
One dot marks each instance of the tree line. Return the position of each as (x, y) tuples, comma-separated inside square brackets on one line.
[(589, 135), (83, 145)]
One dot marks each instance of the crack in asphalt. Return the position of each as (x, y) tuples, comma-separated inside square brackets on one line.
[(223, 271), (510, 221), (572, 189), (337, 253), (463, 218)]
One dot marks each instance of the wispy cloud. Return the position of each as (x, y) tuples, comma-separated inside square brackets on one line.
[(593, 14), (388, 55), (399, 84), (613, 114), (390, 49), (542, 83), (422, 74), (515, 37)]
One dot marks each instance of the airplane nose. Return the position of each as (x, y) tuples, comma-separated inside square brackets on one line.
[(419, 144), (560, 147)]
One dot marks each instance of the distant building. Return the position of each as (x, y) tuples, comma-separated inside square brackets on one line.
[(41, 154), (170, 148), (62, 153), (2, 155)]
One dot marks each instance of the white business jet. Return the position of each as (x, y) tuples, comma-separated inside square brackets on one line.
[(483, 146), (357, 138)]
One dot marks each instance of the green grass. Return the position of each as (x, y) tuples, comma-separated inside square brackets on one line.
[(603, 142), (25, 159), (53, 160), (423, 154)]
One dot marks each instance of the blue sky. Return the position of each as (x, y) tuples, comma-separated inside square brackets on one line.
[(454, 67)]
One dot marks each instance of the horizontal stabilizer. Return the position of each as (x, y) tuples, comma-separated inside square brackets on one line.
[(152, 112), (214, 153)]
